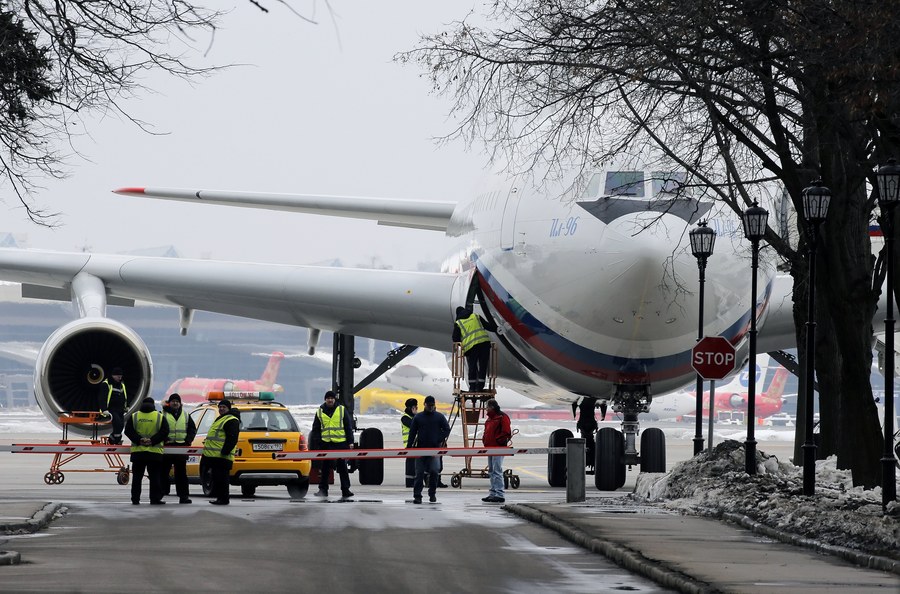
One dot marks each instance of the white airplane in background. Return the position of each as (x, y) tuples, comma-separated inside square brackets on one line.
[(595, 298)]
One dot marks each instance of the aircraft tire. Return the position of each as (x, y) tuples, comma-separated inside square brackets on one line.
[(610, 460), (556, 463), (298, 489), (371, 472), (653, 450)]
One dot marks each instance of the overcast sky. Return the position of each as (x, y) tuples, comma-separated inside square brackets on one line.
[(318, 110)]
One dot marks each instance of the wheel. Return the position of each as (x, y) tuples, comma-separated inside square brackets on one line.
[(556, 463), (122, 477), (456, 481), (298, 489), (610, 462), (50, 478), (653, 450), (371, 472), (514, 481), (248, 490), (59, 478), (206, 480)]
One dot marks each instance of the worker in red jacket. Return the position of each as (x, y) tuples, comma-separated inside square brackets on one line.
[(497, 433)]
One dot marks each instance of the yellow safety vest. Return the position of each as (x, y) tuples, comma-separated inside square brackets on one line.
[(472, 332), (110, 391), (333, 426), (146, 424), (215, 438), (177, 427), (404, 430)]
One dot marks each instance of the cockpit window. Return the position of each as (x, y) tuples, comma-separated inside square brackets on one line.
[(593, 188), (669, 182), (624, 183)]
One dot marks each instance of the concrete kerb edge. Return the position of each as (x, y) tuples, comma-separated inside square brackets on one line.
[(856, 557), (615, 552), (41, 519)]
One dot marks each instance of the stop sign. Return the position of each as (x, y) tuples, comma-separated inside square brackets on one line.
[(713, 357)]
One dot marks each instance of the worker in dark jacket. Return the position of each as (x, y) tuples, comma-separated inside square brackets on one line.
[(497, 433), (112, 401), (218, 451), (429, 429), (412, 409), (181, 433), (147, 429), (471, 331), (334, 431)]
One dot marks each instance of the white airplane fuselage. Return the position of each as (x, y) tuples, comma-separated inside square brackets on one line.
[(591, 304)]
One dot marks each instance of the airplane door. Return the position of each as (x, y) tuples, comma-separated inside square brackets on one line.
[(508, 223)]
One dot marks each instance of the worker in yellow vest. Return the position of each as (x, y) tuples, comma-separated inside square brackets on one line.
[(181, 433), (412, 409), (218, 451), (471, 331), (112, 401), (335, 432), (147, 429)]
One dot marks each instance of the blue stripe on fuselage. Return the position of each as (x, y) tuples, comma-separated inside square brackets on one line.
[(579, 359)]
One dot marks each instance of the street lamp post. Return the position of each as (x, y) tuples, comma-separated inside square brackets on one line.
[(703, 239), (754, 219), (888, 177), (816, 199)]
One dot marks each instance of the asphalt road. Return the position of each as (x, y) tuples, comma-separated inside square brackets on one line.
[(376, 542)]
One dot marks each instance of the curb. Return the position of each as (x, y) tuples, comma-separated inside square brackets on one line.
[(621, 555), (41, 519), (853, 556)]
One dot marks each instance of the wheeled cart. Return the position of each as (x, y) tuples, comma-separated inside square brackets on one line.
[(470, 409), (113, 460)]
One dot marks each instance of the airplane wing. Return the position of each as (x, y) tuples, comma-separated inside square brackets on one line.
[(411, 307), (387, 211)]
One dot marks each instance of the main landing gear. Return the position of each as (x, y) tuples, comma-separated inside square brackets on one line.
[(613, 449)]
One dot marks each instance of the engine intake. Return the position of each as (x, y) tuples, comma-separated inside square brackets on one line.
[(77, 358)]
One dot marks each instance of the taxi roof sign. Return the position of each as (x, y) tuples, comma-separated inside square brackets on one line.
[(241, 395)]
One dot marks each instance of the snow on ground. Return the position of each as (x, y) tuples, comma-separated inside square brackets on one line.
[(839, 514)]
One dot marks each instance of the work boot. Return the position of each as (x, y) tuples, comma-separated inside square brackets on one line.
[(347, 494), (417, 500), (432, 499), (321, 493)]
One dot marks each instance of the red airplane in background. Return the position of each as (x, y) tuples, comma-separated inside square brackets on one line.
[(193, 390), (767, 403)]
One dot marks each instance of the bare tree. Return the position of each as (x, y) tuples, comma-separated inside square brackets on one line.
[(739, 94), (60, 61)]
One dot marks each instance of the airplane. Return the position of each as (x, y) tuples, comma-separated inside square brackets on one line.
[(593, 287), (767, 403), (194, 390)]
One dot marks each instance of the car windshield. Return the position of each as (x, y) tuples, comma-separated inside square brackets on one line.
[(267, 420)]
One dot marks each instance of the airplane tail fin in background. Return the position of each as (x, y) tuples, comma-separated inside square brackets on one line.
[(778, 382), (270, 373)]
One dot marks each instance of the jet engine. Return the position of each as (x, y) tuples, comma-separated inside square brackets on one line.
[(76, 358), (736, 400)]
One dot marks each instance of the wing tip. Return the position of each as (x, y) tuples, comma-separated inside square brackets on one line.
[(132, 191)]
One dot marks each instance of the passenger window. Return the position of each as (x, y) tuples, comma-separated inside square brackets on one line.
[(624, 183)]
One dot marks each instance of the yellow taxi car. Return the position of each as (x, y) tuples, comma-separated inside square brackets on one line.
[(266, 426)]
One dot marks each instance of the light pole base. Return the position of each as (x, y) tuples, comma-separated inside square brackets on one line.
[(750, 458), (698, 445), (888, 481), (809, 468)]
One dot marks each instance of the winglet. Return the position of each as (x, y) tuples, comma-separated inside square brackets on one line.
[(130, 191)]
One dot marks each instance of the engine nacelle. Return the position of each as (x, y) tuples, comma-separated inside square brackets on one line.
[(78, 356), (737, 401)]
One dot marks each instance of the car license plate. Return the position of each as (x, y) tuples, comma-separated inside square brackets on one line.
[(268, 447)]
